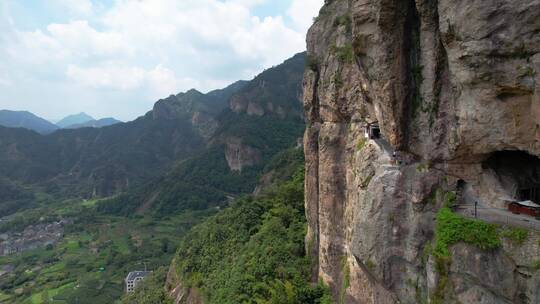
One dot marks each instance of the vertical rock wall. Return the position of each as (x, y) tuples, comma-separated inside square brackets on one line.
[(450, 82)]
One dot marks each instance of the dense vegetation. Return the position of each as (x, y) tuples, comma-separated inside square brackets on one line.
[(205, 180), (252, 252), (161, 176), (14, 197), (452, 228), (88, 162), (89, 264), (132, 161)]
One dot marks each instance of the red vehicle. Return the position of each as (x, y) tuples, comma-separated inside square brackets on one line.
[(527, 207)]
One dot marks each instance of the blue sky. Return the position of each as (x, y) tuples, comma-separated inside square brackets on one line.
[(117, 57)]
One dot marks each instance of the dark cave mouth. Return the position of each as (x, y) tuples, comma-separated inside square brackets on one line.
[(520, 169)]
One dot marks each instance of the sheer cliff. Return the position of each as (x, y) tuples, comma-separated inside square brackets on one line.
[(453, 86)]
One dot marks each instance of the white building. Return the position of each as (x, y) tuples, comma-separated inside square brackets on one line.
[(134, 278)]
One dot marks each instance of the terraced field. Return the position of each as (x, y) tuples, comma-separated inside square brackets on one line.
[(96, 252)]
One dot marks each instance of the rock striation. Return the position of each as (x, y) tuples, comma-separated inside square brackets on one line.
[(455, 88)]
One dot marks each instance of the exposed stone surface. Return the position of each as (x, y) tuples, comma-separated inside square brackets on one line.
[(177, 292), (275, 92), (239, 155), (450, 82)]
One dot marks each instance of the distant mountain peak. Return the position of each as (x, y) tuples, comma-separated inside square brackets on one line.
[(194, 91), (99, 123), (74, 119)]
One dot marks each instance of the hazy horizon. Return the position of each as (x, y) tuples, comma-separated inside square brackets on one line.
[(62, 57)]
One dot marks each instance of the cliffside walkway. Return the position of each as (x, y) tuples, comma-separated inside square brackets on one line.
[(484, 212), (384, 145), (496, 215)]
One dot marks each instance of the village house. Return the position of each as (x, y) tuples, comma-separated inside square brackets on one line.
[(32, 237), (134, 278)]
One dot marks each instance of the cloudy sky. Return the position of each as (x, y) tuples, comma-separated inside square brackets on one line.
[(117, 57)]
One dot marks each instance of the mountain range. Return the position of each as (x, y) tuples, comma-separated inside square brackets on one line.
[(30, 121), (83, 120), (219, 141), (130, 191)]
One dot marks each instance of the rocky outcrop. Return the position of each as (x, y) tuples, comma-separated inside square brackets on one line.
[(239, 155), (197, 108), (177, 292), (277, 91), (451, 84)]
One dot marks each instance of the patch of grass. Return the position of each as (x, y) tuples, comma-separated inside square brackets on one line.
[(366, 182), (424, 167), (72, 245), (4, 297), (426, 252), (452, 228), (345, 54), (338, 81), (450, 199), (322, 13), (432, 200), (89, 203), (344, 20), (346, 279), (370, 265), (312, 63), (441, 265), (361, 144), (516, 235)]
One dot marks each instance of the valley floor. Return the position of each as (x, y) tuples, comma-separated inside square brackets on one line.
[(90, 262)]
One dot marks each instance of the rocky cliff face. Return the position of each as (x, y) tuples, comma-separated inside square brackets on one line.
[(201, 110), (455, 88), (273, 92), (239, 156)]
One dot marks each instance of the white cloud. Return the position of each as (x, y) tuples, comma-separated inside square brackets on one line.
[(303, 11), (259, 41), (4, 81), (78, 38), (160, 80), (34, 48), (142, 50), (75, 7), (107, 76)]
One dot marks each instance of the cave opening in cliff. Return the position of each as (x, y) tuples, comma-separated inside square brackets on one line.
[(518, 172)]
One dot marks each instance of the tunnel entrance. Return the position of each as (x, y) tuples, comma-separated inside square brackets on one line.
[(518, 173), (373, 131)]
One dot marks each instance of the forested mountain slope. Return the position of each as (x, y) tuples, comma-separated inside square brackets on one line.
[(199, 128), (128, 193), (240, 147)]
